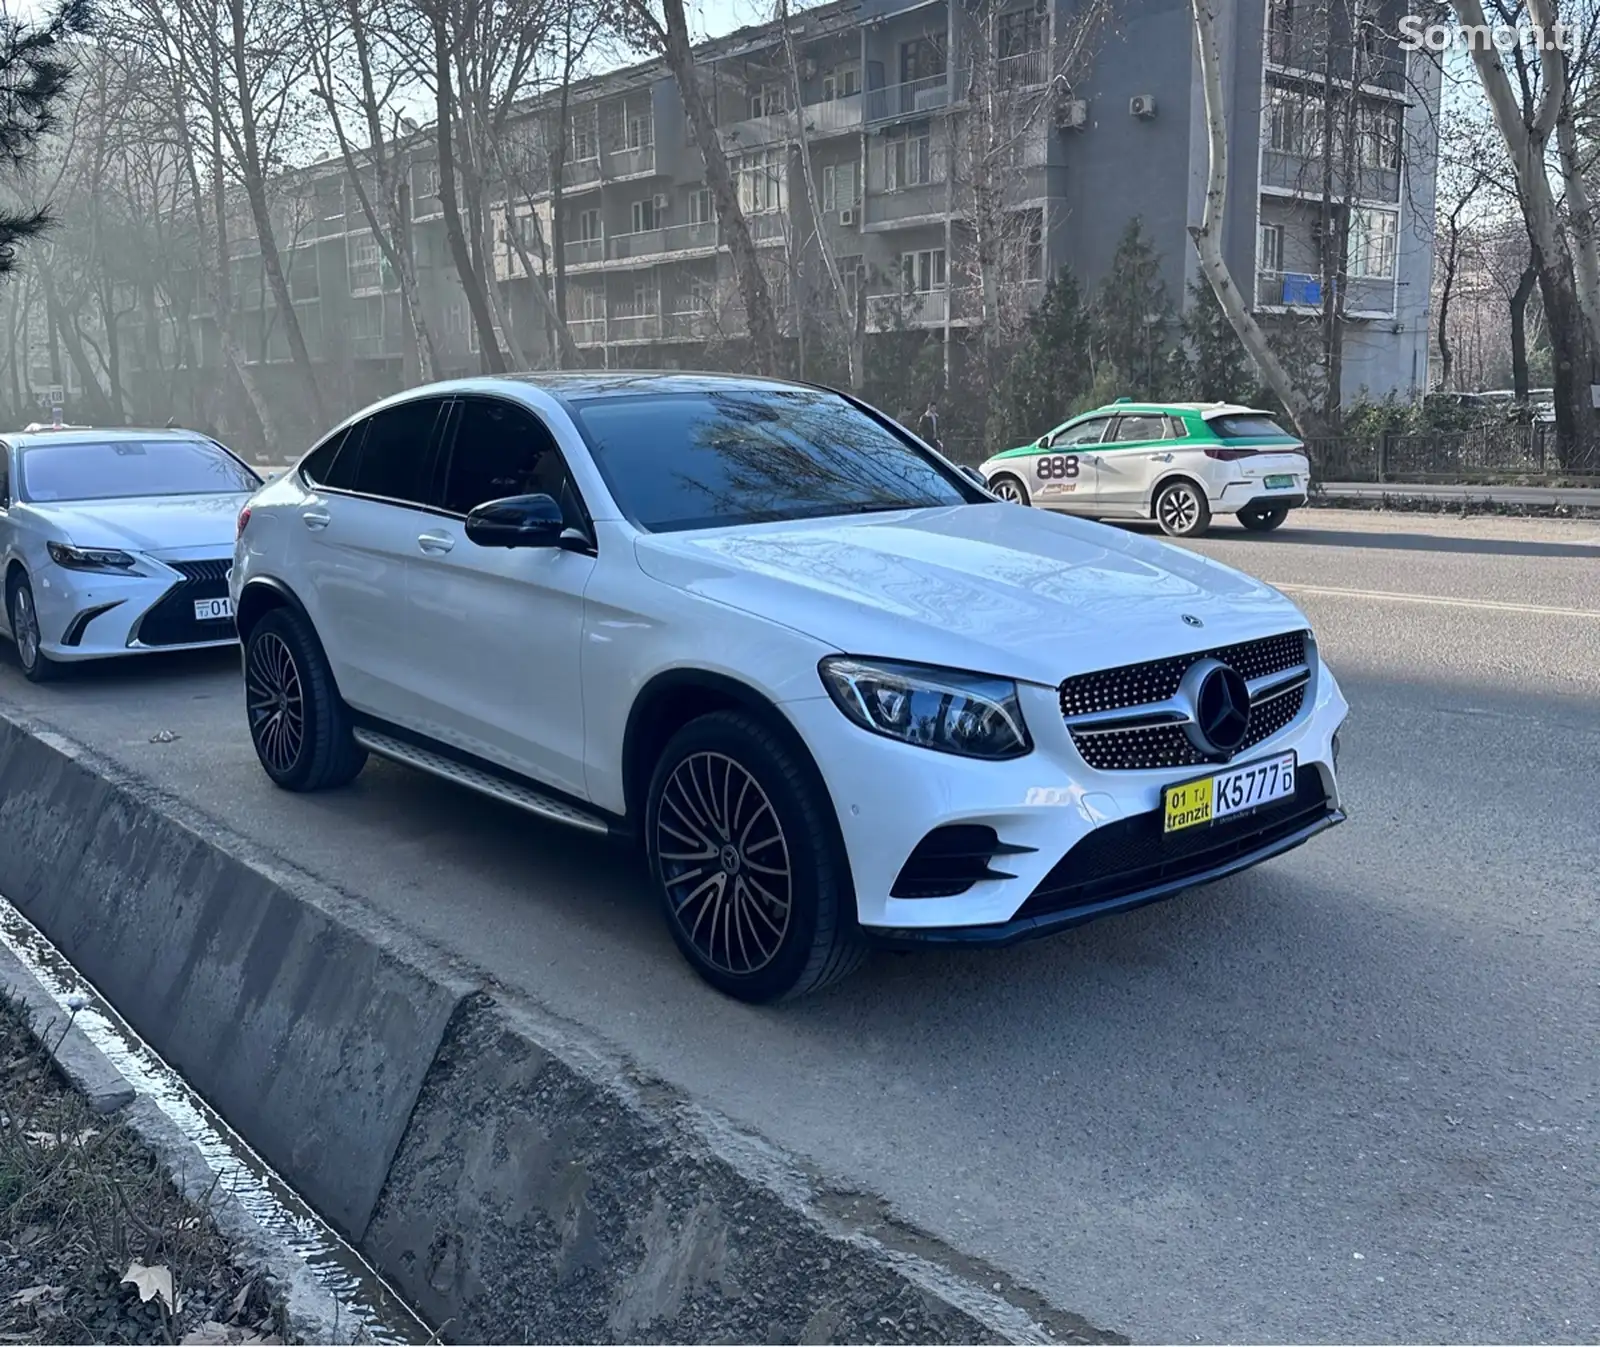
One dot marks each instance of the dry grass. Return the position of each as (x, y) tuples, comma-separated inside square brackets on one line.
[(82, 1201)]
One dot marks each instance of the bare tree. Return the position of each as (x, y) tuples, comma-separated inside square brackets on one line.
[(662, 26), (1207, 235)]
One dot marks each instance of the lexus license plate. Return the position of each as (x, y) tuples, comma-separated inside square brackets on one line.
[(1232, 792), (1276, 481), (212, 610)]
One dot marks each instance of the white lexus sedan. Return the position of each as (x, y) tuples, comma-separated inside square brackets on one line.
[(116, 542), (842, 695)]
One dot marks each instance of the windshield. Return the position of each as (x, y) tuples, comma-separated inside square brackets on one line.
[(713, 458), (118, 469)]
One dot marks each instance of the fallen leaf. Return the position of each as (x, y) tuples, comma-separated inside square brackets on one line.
[(163, 737), (29, 1294), (213, 1334), (50, 1140), (237, 1307), (152, 1282)]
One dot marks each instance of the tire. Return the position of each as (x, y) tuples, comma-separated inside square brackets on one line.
[(1011, 488), (299, 725), (1264, 519), (23, 614), (724, 777), (1182, 509)]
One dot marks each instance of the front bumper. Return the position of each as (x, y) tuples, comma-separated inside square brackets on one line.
[(890, 797), (87, 615)]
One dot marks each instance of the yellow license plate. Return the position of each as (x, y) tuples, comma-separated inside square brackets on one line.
[(1234, 791)]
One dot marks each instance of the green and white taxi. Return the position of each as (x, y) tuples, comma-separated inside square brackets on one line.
[(1179, 463)]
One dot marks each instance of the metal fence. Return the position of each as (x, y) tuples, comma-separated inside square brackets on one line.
[(1484, 451)]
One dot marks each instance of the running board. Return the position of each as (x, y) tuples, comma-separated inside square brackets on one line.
[(475, 778)]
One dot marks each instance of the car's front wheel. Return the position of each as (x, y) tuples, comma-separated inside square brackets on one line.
[(1182, 510), (37, 667), (746, 858), (1010, 488), (1264, 518), (299, 724)]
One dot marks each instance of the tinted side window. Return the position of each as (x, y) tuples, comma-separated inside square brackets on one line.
[(396, 453), (5, 477), (320, 467), (1139, 428), (501, 450), (1087, 432)]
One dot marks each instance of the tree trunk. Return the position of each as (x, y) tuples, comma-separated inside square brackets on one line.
[(759, 319), (1207, 235), (100, 408), (1446, 285), (455, 231), (1519, 332)]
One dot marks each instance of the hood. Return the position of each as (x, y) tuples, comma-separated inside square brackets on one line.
[(990, 588), (150, 524)]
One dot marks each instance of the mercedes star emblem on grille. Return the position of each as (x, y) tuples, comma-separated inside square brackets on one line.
[(1219, 699), (1192, 620)]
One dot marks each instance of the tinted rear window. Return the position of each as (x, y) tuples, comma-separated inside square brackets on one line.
[(743, 456), (118, 469), (1247, 428)]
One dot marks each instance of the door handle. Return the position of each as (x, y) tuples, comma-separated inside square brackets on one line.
[(435, 544), (316, 519)]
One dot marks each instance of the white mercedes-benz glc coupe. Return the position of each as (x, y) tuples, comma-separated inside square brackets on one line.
[(841, 694), (116, 542)]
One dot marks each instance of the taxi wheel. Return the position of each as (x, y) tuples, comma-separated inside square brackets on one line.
[(1182, 510), (1264, 519), (1010, 488)]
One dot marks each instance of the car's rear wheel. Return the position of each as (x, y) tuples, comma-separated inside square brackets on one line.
[(37, 667), (300, 726), (1263, 519), (1182, 510), (1010, 488), (746, 858)]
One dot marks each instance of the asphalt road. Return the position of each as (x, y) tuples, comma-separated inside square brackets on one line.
[(1352, 1095)]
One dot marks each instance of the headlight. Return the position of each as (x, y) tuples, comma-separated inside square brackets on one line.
[(968, 714), (89, 558)]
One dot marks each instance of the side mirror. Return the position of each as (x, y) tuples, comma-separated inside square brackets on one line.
[(516, 521), (974, 476)]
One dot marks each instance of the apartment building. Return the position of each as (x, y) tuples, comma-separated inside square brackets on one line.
[(889, 95)]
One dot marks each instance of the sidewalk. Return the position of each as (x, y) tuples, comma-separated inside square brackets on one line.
[(1576, 497)]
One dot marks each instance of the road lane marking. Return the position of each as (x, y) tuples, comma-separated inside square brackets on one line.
[(1439, 600)]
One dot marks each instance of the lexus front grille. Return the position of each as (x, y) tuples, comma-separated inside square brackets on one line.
[(172, 621), (1131, 718)]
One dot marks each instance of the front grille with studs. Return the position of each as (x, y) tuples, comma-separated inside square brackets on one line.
[(1135, 686)]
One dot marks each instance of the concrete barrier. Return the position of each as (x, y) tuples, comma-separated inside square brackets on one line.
[(512, 1177), (308, 1034)]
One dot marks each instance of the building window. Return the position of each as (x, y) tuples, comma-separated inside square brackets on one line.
[(1033, 245), (589, 226), (1019, 32), (851, 272), (646, 215), (908, 159), (766, 100), (1294, 123), (1269, 248), (839, 187), (841, 82), (922, 59), (1374, 241), (583, 141), (702, 210), (643, 302), (585, 305), (641, 129), (922, 272), (1378, 137), (700, 295), (365, 272), (761, 182)]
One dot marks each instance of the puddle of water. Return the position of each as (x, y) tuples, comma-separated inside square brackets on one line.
[(368, 1307)]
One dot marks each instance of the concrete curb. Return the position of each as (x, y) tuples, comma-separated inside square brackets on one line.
[(83, 1064), (514, 1178), (310, 1314)]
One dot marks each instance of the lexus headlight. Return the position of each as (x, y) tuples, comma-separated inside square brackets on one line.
[(969, 714), (89, 558)]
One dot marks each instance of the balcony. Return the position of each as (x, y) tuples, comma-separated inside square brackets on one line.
[(581, 172), (887, 313), (692, 325), (638, 161), (587, 331), (582, 252), (1301, 174), (1307, 53), (1025, 70), (1302, 292), (840, 117), (909, 99), (668, 239), (636, 327), (768, 227)]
